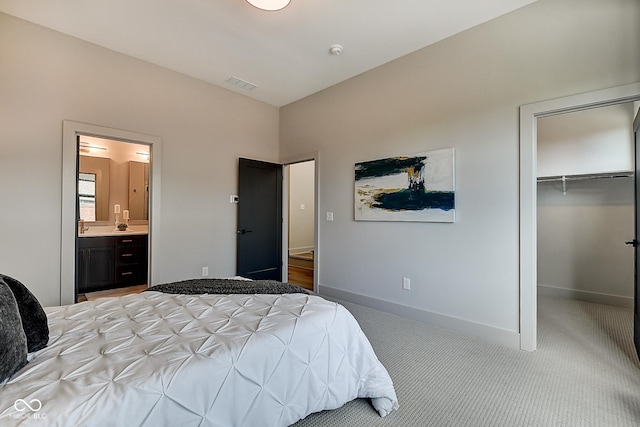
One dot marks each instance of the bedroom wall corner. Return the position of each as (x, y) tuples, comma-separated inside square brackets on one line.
[(48, 77), (463, 92), (488, 333)]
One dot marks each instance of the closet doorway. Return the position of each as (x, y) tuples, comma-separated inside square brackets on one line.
[(585, 205), (529, 116), (301, 232)]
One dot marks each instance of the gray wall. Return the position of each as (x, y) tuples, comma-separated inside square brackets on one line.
[(48, 77), (581, 235), (586, 142), (463, 92), (301, 193)]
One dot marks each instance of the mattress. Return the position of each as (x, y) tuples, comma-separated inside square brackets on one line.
[(156, 359)]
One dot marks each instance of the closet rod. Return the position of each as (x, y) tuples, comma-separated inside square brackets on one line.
[(565, 178), (585, 176)]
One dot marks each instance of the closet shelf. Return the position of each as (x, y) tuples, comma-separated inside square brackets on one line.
[(566, 178), (623, 174)]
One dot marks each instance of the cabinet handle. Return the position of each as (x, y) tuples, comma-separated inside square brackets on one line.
[(128, 273), (126, 255), (127, 241)]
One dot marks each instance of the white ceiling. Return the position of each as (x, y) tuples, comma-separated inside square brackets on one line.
[(284, 53)]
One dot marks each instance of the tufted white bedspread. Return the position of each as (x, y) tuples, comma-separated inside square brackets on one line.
[(156, 359)]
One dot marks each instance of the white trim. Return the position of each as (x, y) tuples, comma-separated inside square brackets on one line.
[(300, 250), (70, 132), (528, 183), (315, 156), (486, 332), (285, 223), (597, 297)]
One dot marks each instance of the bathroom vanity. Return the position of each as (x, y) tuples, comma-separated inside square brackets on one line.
[(111, 260)]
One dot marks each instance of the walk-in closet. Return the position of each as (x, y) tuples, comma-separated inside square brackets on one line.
[(586, 205)]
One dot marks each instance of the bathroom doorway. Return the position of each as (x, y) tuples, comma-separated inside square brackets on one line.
[(112, 215), (77, 138)]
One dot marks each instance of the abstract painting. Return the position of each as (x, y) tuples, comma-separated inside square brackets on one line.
[(407, 188)]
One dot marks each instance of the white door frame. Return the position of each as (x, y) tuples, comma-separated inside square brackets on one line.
[(315, 156), (70, 132), (529, 115)]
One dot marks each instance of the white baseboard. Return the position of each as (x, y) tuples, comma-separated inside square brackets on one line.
[(485, 332), (301, 250), (597, 297)]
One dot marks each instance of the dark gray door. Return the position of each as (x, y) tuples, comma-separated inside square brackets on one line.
[(636, 304), (259, 220)]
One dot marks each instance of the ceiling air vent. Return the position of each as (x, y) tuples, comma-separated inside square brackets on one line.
[(241, 83)]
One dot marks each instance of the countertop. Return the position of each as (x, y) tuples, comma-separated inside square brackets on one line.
[(108, 230)]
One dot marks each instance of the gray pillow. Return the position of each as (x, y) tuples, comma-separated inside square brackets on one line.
[(13, 341), (34, 319)]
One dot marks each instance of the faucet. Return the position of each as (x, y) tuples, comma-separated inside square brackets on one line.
[(82, 227)]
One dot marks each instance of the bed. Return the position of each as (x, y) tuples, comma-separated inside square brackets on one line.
[(167, 359)]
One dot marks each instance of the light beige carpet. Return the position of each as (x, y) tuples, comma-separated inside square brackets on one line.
[(584, 373)]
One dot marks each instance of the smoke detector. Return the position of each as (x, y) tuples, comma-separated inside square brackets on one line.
[(336, 49)]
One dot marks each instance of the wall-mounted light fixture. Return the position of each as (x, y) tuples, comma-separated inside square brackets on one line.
[(269, 4), (86, 146)]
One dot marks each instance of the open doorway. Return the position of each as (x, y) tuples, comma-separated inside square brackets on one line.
[(113, 217), (529, 115), (72, 131), (301, 251), (585, 209)]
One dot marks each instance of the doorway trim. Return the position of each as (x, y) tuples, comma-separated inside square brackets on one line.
[(70, 132), (315, 156), (529, 115)]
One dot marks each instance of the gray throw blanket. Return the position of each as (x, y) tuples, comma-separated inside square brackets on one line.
[(227, 287)]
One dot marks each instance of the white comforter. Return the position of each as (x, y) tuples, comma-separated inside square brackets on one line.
[(208, 360)]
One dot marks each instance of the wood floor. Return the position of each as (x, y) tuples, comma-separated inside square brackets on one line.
[(300, 273), (92, 296), (301, 277), (301, 270)]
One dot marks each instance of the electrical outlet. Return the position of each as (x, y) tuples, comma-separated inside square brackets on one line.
[(329, 216), (406, 284), (205, 271)]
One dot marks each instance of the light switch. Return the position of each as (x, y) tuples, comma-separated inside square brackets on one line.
[(302, 207)]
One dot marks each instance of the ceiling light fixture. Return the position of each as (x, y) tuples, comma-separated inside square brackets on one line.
[(269, 4)]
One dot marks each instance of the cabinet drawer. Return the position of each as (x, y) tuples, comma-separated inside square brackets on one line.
[(131, 241), (131, 255), (131, 274)]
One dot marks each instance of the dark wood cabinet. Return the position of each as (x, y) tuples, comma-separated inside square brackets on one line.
[(131, 260), (96, 258), (107, 262)]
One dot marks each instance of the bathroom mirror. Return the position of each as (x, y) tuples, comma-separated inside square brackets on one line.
[(112, 173)]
